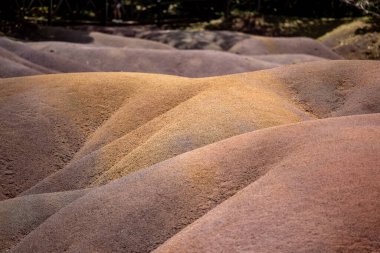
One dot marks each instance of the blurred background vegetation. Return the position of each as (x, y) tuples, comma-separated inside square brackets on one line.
[(266, 17)]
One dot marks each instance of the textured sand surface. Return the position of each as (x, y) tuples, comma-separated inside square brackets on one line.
[(359, 39), (285, 160), (120, 123), (119, 41), (19, 216), (257, 45), (14, 65), (189, 63), (214, 40), (45, 120), (67, 51), (40, 58), (68, 35), (304, 203), (52, 56), (11, 68)]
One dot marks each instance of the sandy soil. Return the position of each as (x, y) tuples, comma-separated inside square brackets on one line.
[(304, 203), (239, 143), (120, 123), (257, 45), (21, 215), (53, 56), (278, 165)]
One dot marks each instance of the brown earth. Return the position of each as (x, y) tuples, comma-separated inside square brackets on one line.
[(329, 202), (359, 39), (21, 215), (133, 162), (92, 128), (304, 203)]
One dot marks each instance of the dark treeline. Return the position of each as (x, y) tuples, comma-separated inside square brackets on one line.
[(300, 8), (152, 10)]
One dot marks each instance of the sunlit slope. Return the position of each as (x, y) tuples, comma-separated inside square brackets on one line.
[(317, 171), (223, 108), (336, 88), (322, 197), (218, 108), (46, 119)]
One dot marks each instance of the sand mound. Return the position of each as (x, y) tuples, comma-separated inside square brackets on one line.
[(10, 68), (257, 45), (304, 204), (19, 59), (74, 57), (20, 216), (135, 162), (45, 120), (181, 39), (158, 117), (215, 40), (324, 172), (356, 40), (68, 35), (13, 65), (328, 89), (192, 63), (119, 41), (100, 52), (42, 59), (286, 59), (239, 43), (199, 113), (231, 41)]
